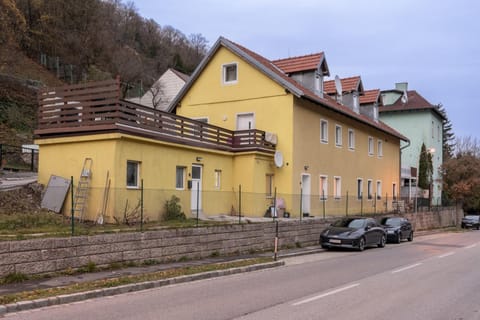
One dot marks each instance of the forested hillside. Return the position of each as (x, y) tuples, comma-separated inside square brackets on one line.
[(52, 42)]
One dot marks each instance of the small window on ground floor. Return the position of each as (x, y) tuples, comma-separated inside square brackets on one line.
[(133, 173)]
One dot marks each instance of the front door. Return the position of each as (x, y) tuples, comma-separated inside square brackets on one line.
[(196, 197), (306, 194)]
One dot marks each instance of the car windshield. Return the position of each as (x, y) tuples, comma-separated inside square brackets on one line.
[(392, 221), (350, 223), (471, 217)]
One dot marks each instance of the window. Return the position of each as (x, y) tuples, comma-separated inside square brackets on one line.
[(394, 191), (438, 133), (324, 131), (359, 188), (230, 75), (338, 136), (180, 178), (133, 168), (433, 130), (351, 139), (269, 185), (380, 148), (370, 146), (379, 190), (323, 187), (218, 178), (337, 187), (369, 189)]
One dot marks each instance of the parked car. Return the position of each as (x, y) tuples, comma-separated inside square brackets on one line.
[(471, 221), (353, 232), (397, 229)]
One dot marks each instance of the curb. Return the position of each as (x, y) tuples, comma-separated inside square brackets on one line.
[(105, 292)]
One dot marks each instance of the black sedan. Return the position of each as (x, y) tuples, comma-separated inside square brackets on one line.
[(356, 233), (397, 228), (470, 221)]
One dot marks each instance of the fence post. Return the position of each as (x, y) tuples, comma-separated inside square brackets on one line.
[(386, 202), (301, 201), (239, 204), (141, 206), (32, 158), (375, 203), (72, 210), (1, 156), (323, 203), (274, 215), (361, 203), (198, 195), (346, 209)]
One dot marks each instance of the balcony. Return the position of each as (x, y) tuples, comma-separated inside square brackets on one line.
[(95, 108)]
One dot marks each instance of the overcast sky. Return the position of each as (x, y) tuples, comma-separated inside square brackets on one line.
[(431, 44)]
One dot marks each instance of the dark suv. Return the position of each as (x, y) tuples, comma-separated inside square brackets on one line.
[(471, 222)]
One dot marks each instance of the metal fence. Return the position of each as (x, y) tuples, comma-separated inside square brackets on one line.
[(18, 158), (124, 205)]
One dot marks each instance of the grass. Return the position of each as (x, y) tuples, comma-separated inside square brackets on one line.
[(48, 224), (114, 282)]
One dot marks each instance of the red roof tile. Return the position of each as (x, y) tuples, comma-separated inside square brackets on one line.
[(298, 64), (414, 102), (370, 96), (348, 85)]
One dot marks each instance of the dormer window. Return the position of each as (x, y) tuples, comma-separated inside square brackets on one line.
[(230, 73), (356, 102)]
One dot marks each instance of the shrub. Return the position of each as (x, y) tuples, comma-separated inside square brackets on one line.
[(173, 209), (15, 277)]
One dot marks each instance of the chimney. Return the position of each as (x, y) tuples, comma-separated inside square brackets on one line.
[(402, 86)]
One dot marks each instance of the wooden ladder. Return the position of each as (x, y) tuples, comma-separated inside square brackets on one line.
[(81, 194)]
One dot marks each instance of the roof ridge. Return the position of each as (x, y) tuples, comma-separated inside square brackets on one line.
[(297, 57)]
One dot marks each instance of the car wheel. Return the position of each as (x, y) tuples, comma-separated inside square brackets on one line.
[(410, 238), (399, 237), (361, 244), (463, 226), (478, 227), (382, 242)]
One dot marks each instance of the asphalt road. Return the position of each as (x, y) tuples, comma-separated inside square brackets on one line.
[(433, 277)]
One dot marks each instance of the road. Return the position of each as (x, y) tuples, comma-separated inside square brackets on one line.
[(433, 277)]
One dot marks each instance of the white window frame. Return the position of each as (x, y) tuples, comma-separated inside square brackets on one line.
[(370, 146), (182, 186), (323, 187), (351, 139), (380, 148), (379, 189), (338, 135), (323, 131), (359, 188), (224, 73), (136, 174), (369, 189), (337, 187), (217, 179)]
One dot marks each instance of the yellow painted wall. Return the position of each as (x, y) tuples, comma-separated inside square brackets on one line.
[(253, 93), (158, 161), (331, 160)]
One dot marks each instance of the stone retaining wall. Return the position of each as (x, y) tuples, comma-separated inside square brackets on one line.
[(58, 254)]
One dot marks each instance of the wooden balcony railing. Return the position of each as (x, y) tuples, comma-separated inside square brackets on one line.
[(97, 108)]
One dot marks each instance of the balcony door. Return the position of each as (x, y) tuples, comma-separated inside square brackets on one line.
[(245, 121)]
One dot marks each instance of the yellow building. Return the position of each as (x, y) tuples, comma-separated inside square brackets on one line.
[(245, 128), (326, 150)]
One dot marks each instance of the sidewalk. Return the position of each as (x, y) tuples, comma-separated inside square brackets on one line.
[(54, 282)]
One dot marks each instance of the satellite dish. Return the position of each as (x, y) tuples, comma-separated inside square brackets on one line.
[(278, 159), (338, 85)]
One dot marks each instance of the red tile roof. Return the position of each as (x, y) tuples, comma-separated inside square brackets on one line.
[(370, 96), (298, 64), (348, 85), (415, 102), (266, 66)]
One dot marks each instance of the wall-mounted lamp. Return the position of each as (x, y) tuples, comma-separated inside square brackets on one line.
[(305, 167), (199, 159)]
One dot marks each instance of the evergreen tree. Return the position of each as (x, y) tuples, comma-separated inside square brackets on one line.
[(425, 168), (448, 140)]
